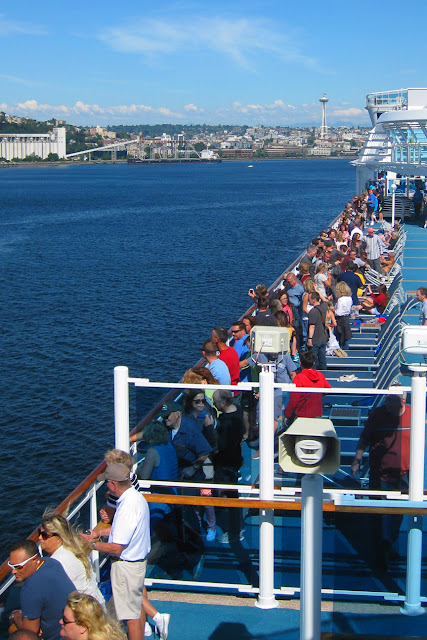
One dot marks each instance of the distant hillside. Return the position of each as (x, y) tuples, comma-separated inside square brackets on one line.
[(13, 124), (190, 130)]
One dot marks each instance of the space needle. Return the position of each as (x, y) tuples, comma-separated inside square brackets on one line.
[(323, 129)]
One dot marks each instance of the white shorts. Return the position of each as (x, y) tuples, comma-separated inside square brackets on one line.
[(127, 582)]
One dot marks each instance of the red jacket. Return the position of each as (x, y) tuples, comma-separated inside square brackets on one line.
[(307, 405)]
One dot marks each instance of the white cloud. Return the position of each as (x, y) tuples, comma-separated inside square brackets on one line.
[(32, 107), (13, 27), (276, 107), (192, 107), (350, 112), (241, 40), (276, 112)]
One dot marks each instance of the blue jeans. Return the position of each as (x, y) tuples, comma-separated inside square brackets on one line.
[(304, 333), (319, 351)]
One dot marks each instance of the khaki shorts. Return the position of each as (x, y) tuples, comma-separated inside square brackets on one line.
[(127, 582)]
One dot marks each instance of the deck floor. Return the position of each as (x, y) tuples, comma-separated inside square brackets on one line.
[(229, 618), (348, 561)]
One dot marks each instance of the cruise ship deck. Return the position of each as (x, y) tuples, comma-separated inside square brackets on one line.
[(358, 599), (214, 594)]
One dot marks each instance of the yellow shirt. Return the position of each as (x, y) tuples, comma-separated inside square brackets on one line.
[(360, 291)]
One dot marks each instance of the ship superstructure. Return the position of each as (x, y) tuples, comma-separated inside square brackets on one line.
[(397, 144)]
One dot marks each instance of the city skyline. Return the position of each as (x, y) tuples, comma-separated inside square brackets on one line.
[(184, 62)]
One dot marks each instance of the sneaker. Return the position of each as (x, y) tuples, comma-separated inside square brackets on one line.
[(225, 539), (211, 535), (147, 630), (162, 625)]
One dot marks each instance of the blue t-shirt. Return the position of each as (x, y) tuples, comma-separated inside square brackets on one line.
[(220, 371), (240, 346), (296, 294), (44, 595), (373, 201)]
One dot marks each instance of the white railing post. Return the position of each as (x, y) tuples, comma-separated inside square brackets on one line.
[(266, 599), (311, 556), (412, 606), (93, 520), (121, 408), (393, 203)]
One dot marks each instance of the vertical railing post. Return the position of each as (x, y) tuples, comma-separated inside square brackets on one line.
[(412, 606), (266, 599), (393, 203), (93, 520), (311, 556), (121, 408)]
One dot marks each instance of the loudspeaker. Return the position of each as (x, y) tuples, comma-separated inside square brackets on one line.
[(414, 339), (313, 437), (269, 339)]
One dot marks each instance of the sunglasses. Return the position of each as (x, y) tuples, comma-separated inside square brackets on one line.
[(19, 566), (64, 621), (45, 535)]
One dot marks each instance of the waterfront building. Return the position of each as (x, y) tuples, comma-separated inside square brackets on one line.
[(22, 145)]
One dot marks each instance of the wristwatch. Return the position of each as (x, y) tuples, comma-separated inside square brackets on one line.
[(94, 542)]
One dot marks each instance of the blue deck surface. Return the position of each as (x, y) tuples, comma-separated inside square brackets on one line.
[(348, 556), (221, 622)]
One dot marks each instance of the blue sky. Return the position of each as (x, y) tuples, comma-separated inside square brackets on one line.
[(243, 62)]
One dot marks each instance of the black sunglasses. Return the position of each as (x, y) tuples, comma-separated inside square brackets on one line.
[(45, 535)]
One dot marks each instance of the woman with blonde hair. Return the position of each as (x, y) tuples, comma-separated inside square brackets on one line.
[(306, 307), (304, 271), (84, 619), (342, 314), (322, 279), (59, 539)]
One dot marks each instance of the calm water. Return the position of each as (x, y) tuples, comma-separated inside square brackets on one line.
[(127, 265)]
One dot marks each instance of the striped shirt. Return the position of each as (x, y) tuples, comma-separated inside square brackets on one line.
[(374, 247), (112, 499)]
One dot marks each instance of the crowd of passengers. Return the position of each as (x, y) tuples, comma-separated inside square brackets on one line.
[(200, 439)]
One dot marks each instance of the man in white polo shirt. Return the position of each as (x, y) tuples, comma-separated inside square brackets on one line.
[(128, 544)]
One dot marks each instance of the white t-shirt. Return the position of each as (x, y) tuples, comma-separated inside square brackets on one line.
[(343, 306), (320, 279), (75, 570), (131, 526)]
